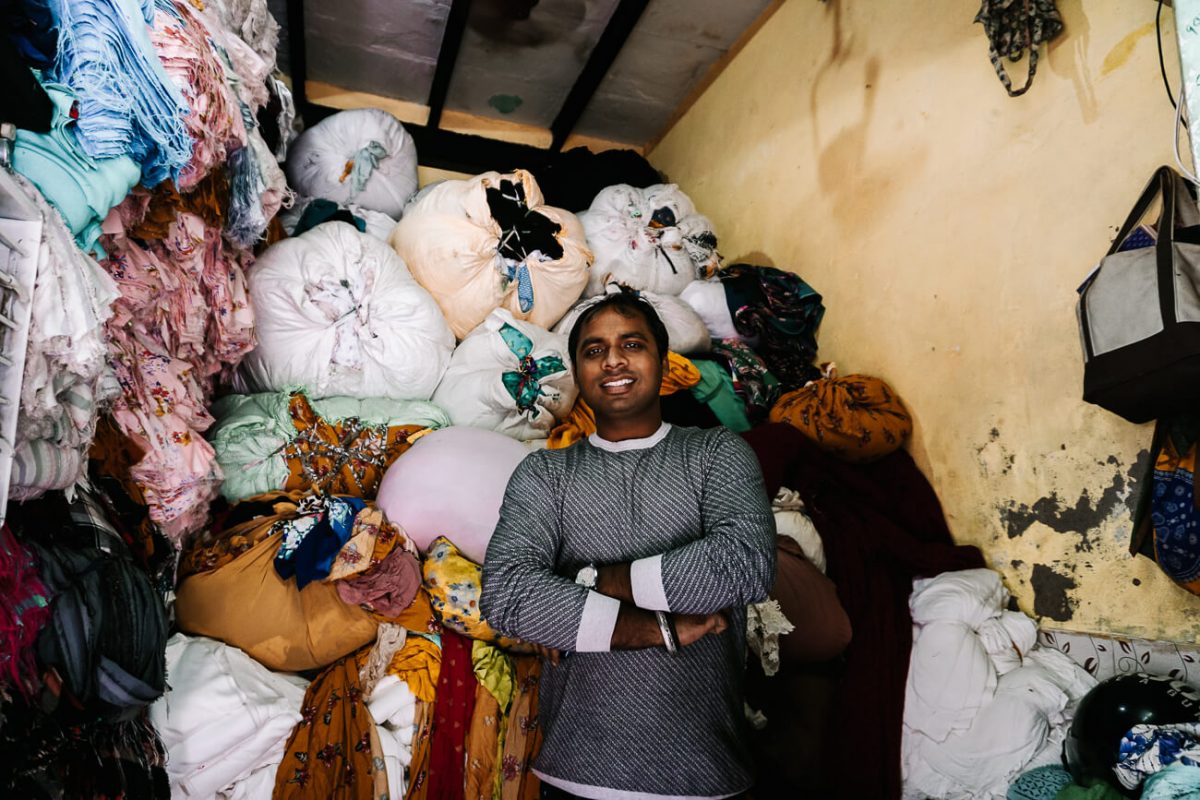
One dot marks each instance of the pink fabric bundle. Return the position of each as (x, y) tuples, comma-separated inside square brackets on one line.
[(182, 318), (388, 588), (184, 46)]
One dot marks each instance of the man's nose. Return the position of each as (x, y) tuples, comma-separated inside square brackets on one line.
[(614, 357)]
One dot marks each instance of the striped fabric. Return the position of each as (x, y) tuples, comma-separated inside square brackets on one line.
[(637, 723)]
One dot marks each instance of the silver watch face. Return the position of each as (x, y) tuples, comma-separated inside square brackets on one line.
[(587, 576)]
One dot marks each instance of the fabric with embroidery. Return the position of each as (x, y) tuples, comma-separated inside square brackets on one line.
[(509, 376)]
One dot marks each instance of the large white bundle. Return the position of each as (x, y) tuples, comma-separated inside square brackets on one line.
[(363, 156), (458, 250), (509, 376), (983, 703), (686, 332), (339, 314), (707, 299), (225, 719), (651, 239)]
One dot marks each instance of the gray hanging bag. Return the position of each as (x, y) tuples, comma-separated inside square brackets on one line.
[(1139, 310)]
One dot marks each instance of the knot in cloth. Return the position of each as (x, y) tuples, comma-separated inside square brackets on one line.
[(524, 383)]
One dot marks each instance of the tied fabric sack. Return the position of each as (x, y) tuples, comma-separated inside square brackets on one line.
[(490, 242), (856, 418), (1139, 312), (1167, 520), (509, 376)]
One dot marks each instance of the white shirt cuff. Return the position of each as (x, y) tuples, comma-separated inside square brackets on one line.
[(597, 624), (645, 578)]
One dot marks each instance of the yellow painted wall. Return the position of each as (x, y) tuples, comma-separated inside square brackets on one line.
[(869, 147)]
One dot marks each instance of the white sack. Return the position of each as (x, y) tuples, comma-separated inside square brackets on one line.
[(339, 314), (223, 717), (707, 298), (451, 242), (378, 224), (626, 231), (363, 156), (686, 332), (474, 391)]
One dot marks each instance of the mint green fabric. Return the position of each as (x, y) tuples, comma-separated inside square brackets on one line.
[(1097, 791), (83, 189), (715, 390), (1175, 782), (251, 431)]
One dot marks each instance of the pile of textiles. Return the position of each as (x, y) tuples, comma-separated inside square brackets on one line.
[(984, 701), (84, 630), (67, 381)]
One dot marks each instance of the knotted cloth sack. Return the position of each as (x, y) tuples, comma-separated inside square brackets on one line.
[(856, 418), (363, 156), (489, 242)]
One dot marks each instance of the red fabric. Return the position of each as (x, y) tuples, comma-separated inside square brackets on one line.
[(452, 712), (882, 525), (24, 611)]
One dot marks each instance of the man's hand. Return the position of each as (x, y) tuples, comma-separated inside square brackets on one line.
[(547, 653), (693, 627)]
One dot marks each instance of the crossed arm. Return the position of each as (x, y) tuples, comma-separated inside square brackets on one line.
[(730, 565)]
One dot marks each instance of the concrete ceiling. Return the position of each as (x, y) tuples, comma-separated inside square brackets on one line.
[(518, 61)]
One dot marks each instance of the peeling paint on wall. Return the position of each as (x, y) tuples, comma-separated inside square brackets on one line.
[(1050, 593)]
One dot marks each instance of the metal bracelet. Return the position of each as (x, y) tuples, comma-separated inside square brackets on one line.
[(668, 634)]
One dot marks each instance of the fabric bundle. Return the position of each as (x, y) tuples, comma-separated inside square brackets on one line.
[(509, 376), (984, 702), (489, 242), (856, 418), (83, 188), (24, 610), (451, 484), (214, 120), (66, 381), (224, 719), (127, 104), (341, 315), (183, 317), (363, 156), (650, 239), (291, 629), (780, 313), (265, 442), (108, 625)]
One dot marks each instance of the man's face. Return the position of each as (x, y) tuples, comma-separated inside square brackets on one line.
[(619, 371)]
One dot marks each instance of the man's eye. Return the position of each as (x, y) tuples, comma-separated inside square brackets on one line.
[(634, 345), (592, 352)]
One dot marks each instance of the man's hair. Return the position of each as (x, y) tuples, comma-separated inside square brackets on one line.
[(627, 303)]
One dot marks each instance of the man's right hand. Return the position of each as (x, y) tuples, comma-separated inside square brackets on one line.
[(692, 627)]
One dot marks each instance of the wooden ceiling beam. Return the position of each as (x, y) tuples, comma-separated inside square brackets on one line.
[(616, 32)]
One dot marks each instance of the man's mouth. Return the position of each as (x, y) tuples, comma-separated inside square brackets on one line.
[(616, 385)]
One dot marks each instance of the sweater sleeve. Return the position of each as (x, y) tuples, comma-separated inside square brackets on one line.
[(521, 594), (732, 564)]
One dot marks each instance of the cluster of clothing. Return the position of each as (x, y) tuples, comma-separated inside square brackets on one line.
[(984, 701), (151, 157)]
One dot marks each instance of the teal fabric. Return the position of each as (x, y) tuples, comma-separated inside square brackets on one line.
[(1176, 782), (365, 162), (715, 390), (524, 384), (81, 188), (251, 431), (1043, 783)]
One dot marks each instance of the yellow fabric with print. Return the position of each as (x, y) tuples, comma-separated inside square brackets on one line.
[(581, 422), (453, 583)]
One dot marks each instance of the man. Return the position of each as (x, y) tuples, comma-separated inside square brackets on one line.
[(596, 542)]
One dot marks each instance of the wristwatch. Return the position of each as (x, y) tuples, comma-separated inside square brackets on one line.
[(587, 576)]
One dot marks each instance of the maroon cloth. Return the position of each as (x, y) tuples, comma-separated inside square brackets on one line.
[(24, 611), (452, 712), (882, 525), (809, 600), (387, 588)]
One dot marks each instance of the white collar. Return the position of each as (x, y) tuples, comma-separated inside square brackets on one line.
[(631, 444)]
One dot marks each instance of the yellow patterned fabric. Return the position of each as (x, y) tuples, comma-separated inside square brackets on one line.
[(581, 422), (453, 583)]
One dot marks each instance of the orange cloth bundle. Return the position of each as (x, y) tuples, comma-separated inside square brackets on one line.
[(856, 418)]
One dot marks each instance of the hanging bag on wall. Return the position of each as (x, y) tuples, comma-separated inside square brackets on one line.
[(1139, 312), (1014, 26)]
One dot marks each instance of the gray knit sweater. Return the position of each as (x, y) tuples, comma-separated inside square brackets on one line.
[(688, 508)]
